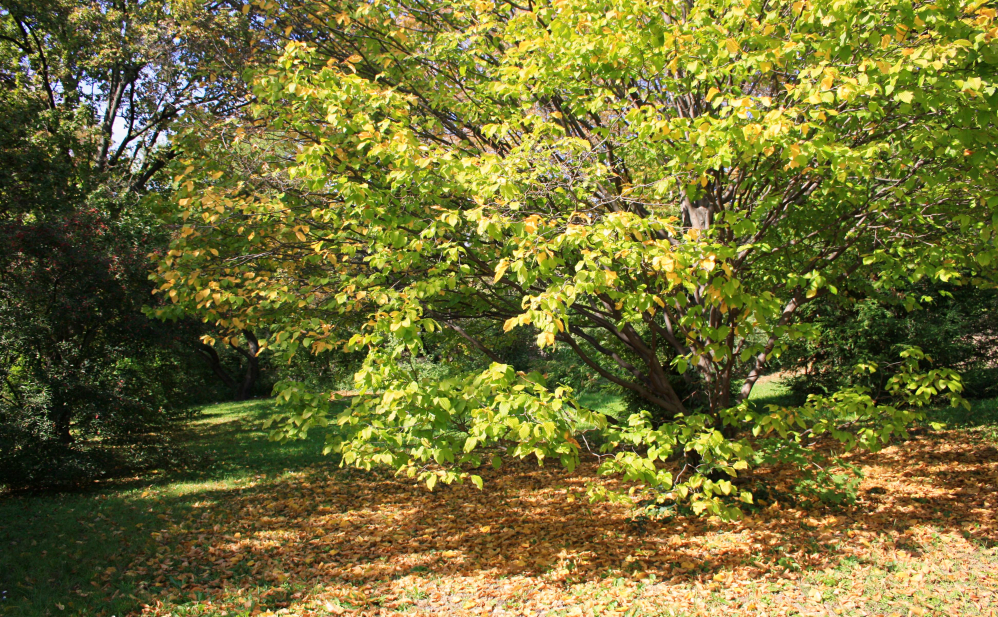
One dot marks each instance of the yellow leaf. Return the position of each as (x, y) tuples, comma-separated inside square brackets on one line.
[(712, 93), (510, 324), (568, 437), (732, 46), (500, 270)]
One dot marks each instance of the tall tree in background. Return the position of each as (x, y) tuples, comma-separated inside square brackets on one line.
[(90, 91), (659, 186)]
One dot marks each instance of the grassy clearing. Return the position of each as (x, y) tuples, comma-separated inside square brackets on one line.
[(264, 528), (69, 550)]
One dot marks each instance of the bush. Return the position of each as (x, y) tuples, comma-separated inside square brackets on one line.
[(956, 326), (82, 370)]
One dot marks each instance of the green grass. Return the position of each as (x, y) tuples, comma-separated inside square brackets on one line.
[(70, 550), (982, 413), (764, 393), (609, 403), (67, 554), (773, 392)]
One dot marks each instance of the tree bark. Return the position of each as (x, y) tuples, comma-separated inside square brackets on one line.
[(242, 389), (211, 356), (245, 390), (61, 417), (698, 214)]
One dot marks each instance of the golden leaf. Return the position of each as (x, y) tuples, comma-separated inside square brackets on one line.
[(500, 270)]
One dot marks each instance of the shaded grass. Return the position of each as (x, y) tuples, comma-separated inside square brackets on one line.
[(983, 414), (70, 549), (609, 403), (766, 392)]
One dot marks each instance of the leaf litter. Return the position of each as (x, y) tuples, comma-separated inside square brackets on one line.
[(921, 540)]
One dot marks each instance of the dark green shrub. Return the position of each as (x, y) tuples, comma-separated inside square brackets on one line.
[(956, 326)]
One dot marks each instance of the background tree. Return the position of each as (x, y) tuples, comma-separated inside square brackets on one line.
[(660, 187), (90, 92)]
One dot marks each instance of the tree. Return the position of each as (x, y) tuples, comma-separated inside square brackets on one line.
[(242, 389), (90, 92), (659, 186)]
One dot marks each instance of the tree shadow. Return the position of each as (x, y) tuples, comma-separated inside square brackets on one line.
[(366, 537)]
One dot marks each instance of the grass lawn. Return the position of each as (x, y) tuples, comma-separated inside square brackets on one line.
[(262, 528), (72, 550)]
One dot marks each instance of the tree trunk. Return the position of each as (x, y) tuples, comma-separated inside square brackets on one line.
[(698, 214), (245, 390), (242, 389), (211, 356), (61, 417)]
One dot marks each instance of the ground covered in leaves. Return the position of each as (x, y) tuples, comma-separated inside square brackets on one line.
[(922, 540)]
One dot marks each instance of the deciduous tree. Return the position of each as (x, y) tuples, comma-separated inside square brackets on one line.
[(90, 91), (660, 186)]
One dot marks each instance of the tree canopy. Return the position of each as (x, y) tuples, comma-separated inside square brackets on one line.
[(660, 186)]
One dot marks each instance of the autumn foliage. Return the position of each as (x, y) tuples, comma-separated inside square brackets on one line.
[(658, 186), (319, 544)]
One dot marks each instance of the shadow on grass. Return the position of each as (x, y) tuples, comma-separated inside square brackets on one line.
[(70, 549), (982, 413), (361, 531), (269, 526)]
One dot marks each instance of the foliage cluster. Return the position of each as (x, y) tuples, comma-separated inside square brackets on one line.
[(79, 360), (956, 325)]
